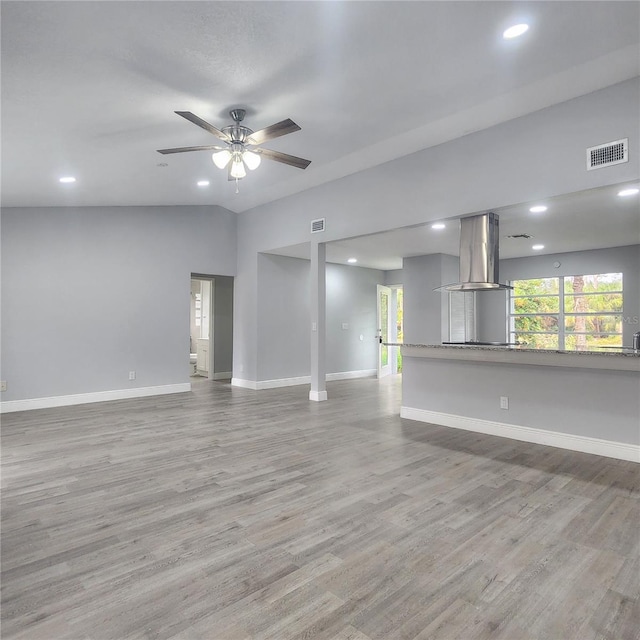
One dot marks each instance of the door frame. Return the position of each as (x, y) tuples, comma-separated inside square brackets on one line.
[(383, 334), (212, 283)]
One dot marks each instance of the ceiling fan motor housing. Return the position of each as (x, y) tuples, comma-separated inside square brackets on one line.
[(237, 133)]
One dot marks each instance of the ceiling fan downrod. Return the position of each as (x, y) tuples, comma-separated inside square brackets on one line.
[(237, 114)]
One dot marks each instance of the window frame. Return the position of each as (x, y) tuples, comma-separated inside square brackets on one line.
[(562, 313)]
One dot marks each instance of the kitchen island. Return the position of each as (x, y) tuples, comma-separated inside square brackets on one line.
[(585, 401)]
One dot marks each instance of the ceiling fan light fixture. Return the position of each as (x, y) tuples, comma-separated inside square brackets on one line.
[(237, 169), (221, 158), (251, 159), (236, 157)]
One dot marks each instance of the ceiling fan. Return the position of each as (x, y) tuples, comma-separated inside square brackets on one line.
[(242, 144)]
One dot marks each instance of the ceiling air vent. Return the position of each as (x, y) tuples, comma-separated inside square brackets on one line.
[(605, 155), (317, 225)]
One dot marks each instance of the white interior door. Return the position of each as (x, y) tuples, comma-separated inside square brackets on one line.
[(384, 330)]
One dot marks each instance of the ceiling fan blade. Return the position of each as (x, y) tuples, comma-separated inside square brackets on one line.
[(191, 117), (274, 131), (285, 158), (207, 147)]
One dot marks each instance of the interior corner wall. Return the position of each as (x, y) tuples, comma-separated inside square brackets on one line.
[(351, 313), (284, 309), (283, 317), (393, 277), (492, 307), (92, 293), (425, 310)]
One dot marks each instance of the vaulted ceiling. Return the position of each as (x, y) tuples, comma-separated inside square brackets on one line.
[(89, 89)]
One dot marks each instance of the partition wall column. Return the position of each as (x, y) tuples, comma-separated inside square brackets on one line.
[(318, 390)]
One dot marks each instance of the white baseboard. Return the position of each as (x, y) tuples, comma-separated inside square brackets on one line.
[(97, 396), (348, 375), (222, 375), (318, 396), (245, 384), (292, 382), (282, 382), (269, 384), (584, 444)]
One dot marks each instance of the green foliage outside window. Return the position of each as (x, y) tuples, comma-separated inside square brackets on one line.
[(571, 313)]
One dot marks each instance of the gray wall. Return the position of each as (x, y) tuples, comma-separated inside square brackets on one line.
[(426, 311), (492, 307), (537, 156), (284, 310), (89, 294), (393, 277), (583, 402), (223, 325), (352, 300)]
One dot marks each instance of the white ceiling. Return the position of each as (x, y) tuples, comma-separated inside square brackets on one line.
[(593, 219), (89, 88)]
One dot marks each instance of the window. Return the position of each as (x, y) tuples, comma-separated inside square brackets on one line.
[(572, 313)]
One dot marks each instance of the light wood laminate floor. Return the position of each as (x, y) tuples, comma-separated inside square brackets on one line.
[(230, 514)]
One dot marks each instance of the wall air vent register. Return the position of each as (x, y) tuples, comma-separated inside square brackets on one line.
[(317, 225), (610, 153)]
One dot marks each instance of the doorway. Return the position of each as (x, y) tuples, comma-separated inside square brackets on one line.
[(384, 330), (201, 327), (211, 327), (389, 306)]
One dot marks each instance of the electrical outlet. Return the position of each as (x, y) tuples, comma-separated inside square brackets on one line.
[(3, 385), (345, 326), (132, 375), (504, 402)]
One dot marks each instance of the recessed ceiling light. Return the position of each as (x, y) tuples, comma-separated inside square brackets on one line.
[(352, 260), (537, 247), (438, 225), (515, 31), (203, 183), (67, 179), (628, 192), (538, 209)]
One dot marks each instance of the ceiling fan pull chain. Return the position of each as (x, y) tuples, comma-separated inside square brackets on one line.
[(237, 188)]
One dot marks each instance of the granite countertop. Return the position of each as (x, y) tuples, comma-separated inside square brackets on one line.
[(606, 352)]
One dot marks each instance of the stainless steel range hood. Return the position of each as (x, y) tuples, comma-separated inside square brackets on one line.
[(479, 248)]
